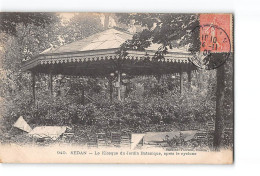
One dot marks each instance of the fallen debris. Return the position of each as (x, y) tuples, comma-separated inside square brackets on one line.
[(22, 125), (52, 132)]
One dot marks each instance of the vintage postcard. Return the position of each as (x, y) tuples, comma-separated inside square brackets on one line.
[(116, 88)]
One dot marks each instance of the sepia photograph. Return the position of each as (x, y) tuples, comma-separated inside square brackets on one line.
[(116, 87)]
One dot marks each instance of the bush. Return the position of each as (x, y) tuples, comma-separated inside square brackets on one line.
[(136, 112)]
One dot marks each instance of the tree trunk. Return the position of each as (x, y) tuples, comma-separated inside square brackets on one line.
[(219, 121)]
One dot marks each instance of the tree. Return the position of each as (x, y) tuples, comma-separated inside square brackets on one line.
[(23, 35), (10, 20), (80, 26), (174, 30), (169, 30)]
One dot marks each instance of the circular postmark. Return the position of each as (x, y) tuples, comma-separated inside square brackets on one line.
[(213, 47)]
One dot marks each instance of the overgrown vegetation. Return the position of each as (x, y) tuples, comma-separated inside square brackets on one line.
[(150, 105)]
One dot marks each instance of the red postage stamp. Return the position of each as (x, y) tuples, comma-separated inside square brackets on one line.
[(214, 40)]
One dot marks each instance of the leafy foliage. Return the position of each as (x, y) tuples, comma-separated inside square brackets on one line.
[(80, 26), (10, 20), (169, 30)]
